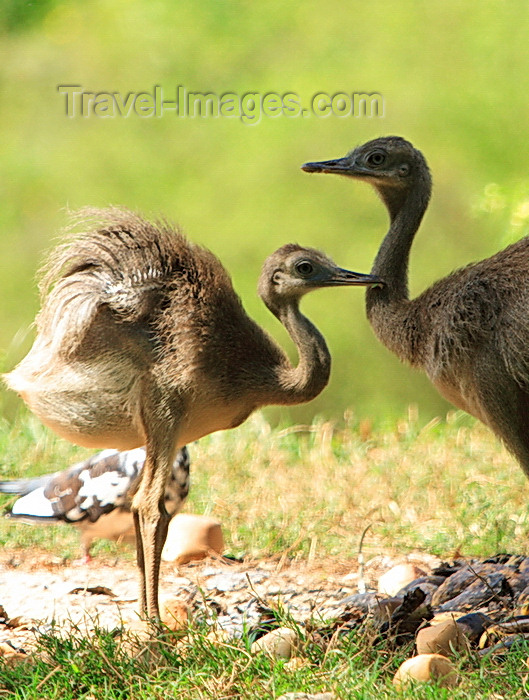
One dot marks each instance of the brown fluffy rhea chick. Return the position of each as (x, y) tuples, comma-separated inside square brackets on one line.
[(467, 331), (142, 340)]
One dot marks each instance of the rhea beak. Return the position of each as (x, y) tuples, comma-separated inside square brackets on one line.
[(339, 166), (348, 278)]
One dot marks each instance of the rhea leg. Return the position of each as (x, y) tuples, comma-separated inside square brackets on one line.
[(140, 561), (151, 521), (160, 418), (151, 533)]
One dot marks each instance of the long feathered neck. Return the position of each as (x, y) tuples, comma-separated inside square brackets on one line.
[(387, 306), (305, 381), (406, 209)]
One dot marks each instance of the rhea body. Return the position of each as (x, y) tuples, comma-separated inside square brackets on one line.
[(469, 331), (142, 340)]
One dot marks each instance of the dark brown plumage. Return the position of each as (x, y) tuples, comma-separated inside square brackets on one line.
[(469, 332), (142, 341)]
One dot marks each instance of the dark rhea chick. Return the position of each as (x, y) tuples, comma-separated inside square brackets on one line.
[(95, 495), (470, 331), (142, 340)]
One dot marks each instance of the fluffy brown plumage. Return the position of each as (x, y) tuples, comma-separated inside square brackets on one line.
[(142, 341), (469, 331)]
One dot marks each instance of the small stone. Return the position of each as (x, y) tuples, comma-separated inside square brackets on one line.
[(6, 649), (362, 602), (218, 636), (295, 663), (279, 643), (446, 638), (18, 658), (192, 537), (175, 614), (141, 640), (13, 656), (139, 629), (444, 616), (22, 622), (426, 667), (307, 696), (384, 608), (397, 577), (232, 581)]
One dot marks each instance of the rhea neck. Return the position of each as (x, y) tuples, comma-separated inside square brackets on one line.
[(387, 307), (406, 207), (306, 380)]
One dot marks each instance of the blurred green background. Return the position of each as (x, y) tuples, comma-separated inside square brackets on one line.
[(453, 76)]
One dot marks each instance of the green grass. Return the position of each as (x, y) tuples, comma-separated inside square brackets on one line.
[(445, 488), (191, 667), (451, 74)]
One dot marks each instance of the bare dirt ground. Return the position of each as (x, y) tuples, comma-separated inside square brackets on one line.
[(39, 589)]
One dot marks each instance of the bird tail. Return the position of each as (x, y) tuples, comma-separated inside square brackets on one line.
[(33, 519), (113, 258), (21, 487)]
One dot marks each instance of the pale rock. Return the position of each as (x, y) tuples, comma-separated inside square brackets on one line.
[(192, 537), (352, 576), (137, 633), (446, 638), (18, 658), (174, 614), (279, 643), (295, 663), (13, 656), (307, 696), (438, 618), (384, 608), (218, 636), (426, 667), (22, 622), (397, 577)]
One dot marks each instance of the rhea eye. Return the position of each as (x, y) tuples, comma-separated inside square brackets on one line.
[(376, 158), (305, 268)]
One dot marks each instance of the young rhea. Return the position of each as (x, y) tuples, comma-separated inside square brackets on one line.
[(142, 340), (469, 331)]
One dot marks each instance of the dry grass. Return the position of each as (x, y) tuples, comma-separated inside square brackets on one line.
[(311, 490), (304, 492), (448, 486)]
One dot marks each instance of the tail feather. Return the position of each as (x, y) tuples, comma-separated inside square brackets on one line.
[(33, 519), (119, 260), (34, 505), (21, 487)]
